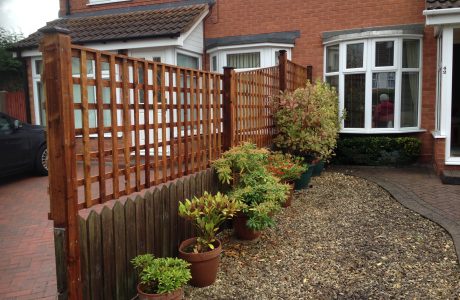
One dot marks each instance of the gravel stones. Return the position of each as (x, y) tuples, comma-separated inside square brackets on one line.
[(345, 238)]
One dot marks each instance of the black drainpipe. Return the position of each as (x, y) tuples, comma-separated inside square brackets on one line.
[(67, 8)]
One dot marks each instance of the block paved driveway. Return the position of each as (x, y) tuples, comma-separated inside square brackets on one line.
[(419, 189), (27, 267)]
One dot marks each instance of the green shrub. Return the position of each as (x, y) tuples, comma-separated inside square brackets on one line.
[(207, 213), (161, 275), (308, 121), (377, 151)]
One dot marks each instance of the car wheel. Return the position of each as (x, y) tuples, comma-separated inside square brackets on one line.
[(41, 162)]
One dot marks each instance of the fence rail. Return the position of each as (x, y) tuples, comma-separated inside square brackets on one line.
[(140, 123), (253, 114), (118, 125)]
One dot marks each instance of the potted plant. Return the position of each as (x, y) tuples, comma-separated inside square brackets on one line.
[(207, 213), (243, 159), (261, 195), (308, 122), (288, 169), (160, 278)]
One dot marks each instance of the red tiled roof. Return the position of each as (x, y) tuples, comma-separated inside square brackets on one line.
[(441, 4), (170, 22)]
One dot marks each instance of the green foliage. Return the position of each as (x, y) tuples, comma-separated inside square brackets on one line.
[(161, 275), (242, 159), (286, 167), (308, 120), (379, 150), (11, 71), (261, 195), (207, 213)]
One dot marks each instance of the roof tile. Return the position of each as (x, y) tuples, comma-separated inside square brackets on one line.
[(441, 4), (132, 25)]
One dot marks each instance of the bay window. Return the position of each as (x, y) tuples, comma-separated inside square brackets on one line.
[(378, 80)]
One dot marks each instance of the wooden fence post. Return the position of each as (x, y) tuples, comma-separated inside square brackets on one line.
[(310, 73), (282, 58), (57, 79), (228, 107)]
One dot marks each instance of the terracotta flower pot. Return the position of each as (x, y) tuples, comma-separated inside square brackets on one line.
[(204, 266), (242, 231), (175, 295), (290, 193)]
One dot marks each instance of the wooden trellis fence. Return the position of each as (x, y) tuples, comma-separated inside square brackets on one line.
[(119, 125)]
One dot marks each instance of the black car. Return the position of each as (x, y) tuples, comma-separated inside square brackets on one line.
[(22, 147)]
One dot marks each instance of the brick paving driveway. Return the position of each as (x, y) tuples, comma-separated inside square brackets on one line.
[(419, 189), (27, 267)]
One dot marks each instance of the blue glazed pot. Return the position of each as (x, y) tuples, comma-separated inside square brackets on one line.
[(318, 169), (304, 180)]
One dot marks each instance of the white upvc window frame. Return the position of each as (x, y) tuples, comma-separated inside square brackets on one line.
[(369, 69), (191, 54), (36, 78), (267, 54)]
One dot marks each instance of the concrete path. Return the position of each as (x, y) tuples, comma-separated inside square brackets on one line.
[(419, 189), (27, 267)]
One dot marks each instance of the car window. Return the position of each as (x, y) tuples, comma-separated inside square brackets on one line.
[(5, 125)]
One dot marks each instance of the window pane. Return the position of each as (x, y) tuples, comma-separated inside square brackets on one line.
[(333, 81), (332, 59), (187, 61), (354, 100), (411, 53), (383, 95), (384, 53), (409, 99), (355, 53), (244, 60), (38, 67), (214, 63), (41, 103)]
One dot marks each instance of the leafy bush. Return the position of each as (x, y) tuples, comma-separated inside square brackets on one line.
[(259, 192), (161, 275), (207, 213), (245, 158), (375, 151), (286, 166), (308, 121)]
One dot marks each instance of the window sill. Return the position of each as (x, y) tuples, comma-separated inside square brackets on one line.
[(437, 135), (105, 2), (382, 131), (452, 163)]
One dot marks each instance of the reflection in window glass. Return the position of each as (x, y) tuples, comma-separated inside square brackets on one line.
[(355, 55), (384, 53), (409, 99), (355, 85), (187, 61), (41, 101), (333, 81), (214, 63), (383, 96), (411, 53), (38, 67), (244, 60), (332, 58)]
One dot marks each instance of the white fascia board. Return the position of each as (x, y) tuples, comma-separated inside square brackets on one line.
[(232, 47), (370, 34), (154, 43), (442, 16), (184, 36), (30, 52)]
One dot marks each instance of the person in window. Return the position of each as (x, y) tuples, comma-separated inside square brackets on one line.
[(384, 112)]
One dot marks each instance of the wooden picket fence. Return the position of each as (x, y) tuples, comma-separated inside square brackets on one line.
[(119, 125)]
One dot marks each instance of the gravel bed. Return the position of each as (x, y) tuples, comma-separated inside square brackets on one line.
[(345, 238)]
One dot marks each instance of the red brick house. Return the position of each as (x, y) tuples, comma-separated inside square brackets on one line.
[(402, 52)]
